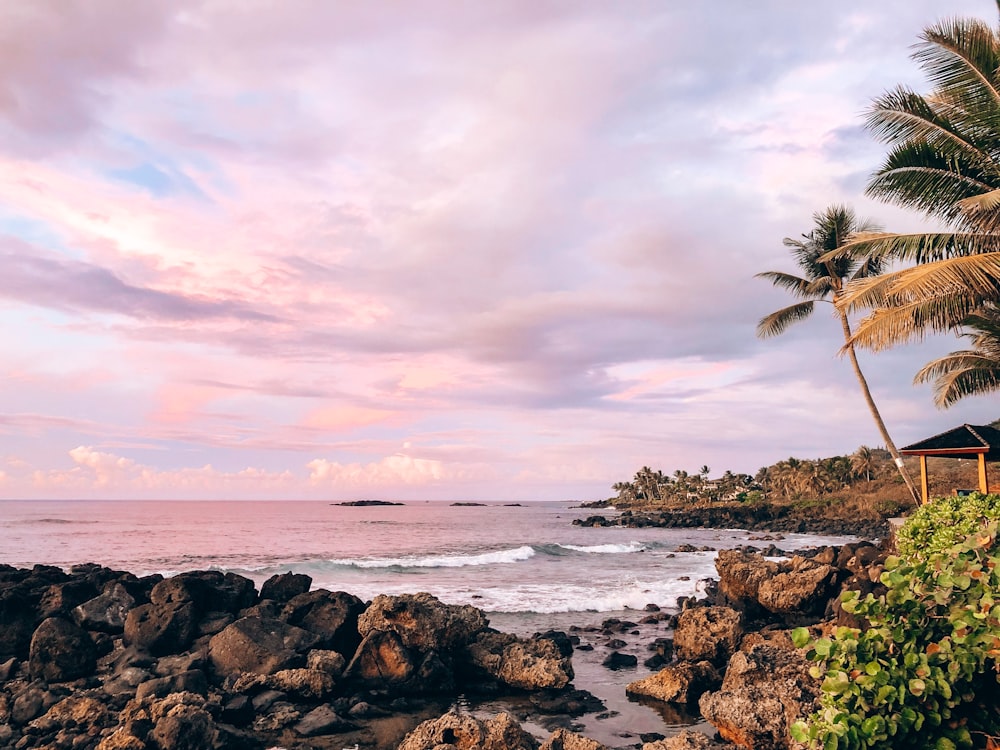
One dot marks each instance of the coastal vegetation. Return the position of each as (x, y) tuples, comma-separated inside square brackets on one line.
[(863, 484), (925, 669)]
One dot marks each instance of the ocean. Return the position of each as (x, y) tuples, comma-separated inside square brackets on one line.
[(528, 567)]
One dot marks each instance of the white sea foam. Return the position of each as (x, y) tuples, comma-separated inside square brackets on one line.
[(517, 554), (606, 549)]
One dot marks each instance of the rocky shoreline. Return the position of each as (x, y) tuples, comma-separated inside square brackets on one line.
[(100, 659), (772, 518)]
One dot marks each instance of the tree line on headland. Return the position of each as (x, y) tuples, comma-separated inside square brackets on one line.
[(866, 478)]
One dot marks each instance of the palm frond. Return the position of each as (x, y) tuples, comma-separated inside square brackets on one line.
[(920, 248), (960, 374), (797, 285), (975, 204), (976, 278), (960, 56), (777, 322)]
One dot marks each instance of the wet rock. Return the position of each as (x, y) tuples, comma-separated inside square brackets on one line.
[(765, 690), (684, 682), (61, 651), (263, 646), (618, 660), (534, 664), (563, 739), (282, 587), (423, 622), (462, 732), (322, 720), (708, 633), (566, 702)]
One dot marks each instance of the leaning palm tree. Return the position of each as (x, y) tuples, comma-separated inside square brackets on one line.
[(823, 280), (972, 371), (944, 161)]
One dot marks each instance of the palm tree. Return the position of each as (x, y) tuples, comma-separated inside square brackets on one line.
[(972, 371), (864, 462), (824, 277), (944, 162)]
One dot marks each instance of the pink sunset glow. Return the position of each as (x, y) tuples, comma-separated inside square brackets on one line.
[(429, 250)]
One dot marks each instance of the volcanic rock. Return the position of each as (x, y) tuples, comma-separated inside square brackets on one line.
[(710, 633), (684, 682), (61, 651)]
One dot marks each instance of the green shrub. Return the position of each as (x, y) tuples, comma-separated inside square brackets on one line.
[(924, 675), (943, 523)]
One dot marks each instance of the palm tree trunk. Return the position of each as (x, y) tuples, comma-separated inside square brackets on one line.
[(866, 392)]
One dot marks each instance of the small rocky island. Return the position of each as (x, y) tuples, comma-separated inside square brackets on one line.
[(365, 503)]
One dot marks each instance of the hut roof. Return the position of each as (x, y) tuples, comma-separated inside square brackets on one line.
[(968, 439)]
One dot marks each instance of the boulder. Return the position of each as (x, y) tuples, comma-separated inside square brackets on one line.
[(618, 660), (333, 616), (563, 739), (283, 587), (804, 589), (684, 682), (59, 599), (263, 646), (533, 664), (740, 576), (423, 622), (330, 662), (382, 659), (107, 611), (61, 651), (18, 620), (208, 590), (462, 732), (322, 720), (765, 690), (161, 628), (708, 633)]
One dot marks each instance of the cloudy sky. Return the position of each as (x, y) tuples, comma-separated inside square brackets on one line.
[(431, 250)]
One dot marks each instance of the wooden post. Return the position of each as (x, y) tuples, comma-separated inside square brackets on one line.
[(923, 479), (984, 483)]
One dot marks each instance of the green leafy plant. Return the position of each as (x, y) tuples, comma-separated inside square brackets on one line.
[(944, 522), (925, 673)]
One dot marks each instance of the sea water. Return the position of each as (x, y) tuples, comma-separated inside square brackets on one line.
[(527, 566)]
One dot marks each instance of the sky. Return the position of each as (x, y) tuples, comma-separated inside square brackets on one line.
[(433, 250)]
